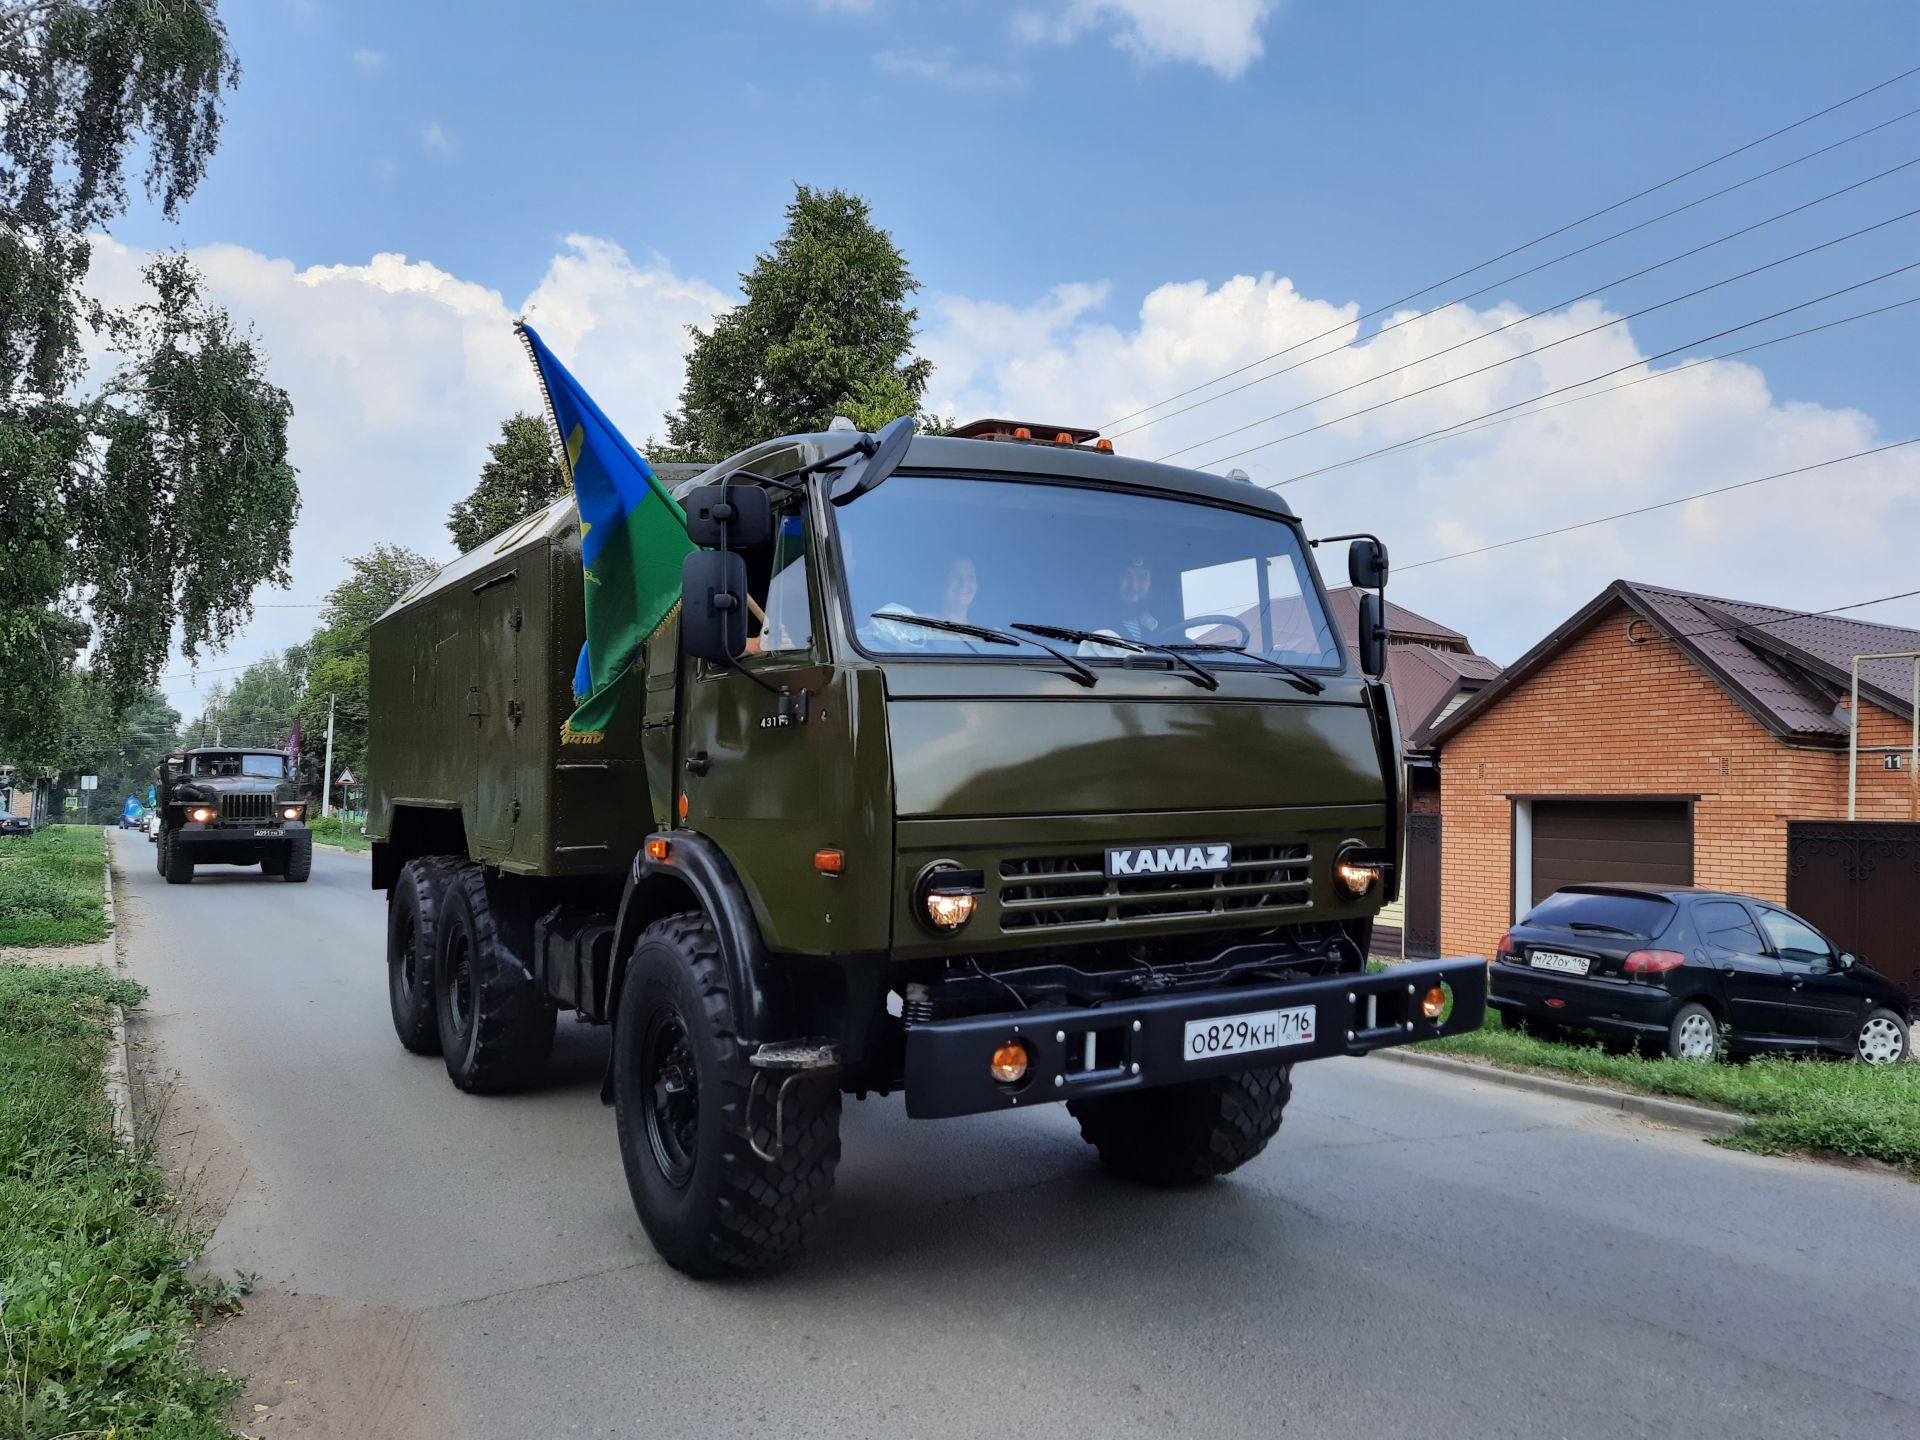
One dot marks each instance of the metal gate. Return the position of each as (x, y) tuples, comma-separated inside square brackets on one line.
[(1859, 881), (1421, 893)]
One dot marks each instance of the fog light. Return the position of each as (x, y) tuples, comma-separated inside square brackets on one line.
[(1433, 1002), (949, 910), (1358, 879), (200, 814), (1009, 1062)]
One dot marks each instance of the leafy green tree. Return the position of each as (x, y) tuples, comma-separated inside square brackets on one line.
[(121, 746), (257, 708), (519, 477), (826, 330), (336, 657), (162, 499)]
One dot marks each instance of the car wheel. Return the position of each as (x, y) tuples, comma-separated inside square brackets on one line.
[(1694, 1034), (1883, 1038)]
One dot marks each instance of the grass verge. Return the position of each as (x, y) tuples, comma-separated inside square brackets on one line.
[(95, 1305), (50, 886), (334, 830), (1839, 1106)]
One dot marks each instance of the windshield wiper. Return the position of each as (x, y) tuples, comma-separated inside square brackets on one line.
[(1299, 678), (1599, 926), (1199, 674), (998, 637)]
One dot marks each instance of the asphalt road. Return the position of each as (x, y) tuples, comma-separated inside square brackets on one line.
[(1415, 1255)]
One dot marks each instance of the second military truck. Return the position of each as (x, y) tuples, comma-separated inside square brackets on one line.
[(222, 805), (994, 769)]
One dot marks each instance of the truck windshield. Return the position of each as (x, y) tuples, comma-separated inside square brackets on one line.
[(1138, 567), (264, 767)]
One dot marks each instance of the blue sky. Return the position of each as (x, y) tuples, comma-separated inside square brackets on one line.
[(1049, 166)]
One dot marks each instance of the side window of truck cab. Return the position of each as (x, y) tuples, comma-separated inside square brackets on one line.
[(781, 592)]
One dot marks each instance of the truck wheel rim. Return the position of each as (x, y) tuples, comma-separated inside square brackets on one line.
[(1696, 1038), (408, 976), (460, 972), (668, 1070), (1879, 1041)]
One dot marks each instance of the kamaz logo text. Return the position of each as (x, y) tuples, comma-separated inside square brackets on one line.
[(1167, 859)]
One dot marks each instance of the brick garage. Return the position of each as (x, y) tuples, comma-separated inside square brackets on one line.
[(1722, 718)]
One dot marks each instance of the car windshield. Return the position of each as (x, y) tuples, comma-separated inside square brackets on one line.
[(1144, 568), (1644, 916), (264, 767)]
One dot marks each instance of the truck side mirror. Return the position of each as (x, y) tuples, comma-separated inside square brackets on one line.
[(1372, 640), (713, 605), (729, 516), (1367, 563), (883, 452)]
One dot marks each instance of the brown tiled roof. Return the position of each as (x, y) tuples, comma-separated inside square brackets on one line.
[(1786, 668), (1404, 623)]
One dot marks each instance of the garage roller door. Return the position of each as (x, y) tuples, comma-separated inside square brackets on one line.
[(1597, 841)]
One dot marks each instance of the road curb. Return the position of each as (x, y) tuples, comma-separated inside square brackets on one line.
[(118, 1070), (1648, 1107), (342, 850)]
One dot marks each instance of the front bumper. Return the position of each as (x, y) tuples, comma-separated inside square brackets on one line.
[(1136, 1044), (237, 837)]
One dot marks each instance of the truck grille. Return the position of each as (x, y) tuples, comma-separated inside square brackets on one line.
[(246, 809), (1065, 892)]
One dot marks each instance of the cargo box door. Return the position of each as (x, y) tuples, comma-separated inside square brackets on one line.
[(495, 711)]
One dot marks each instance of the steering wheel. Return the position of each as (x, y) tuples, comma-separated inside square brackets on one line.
[(1246, 635)]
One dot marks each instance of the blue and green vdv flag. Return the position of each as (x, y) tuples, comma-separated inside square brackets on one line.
[(633, 536)]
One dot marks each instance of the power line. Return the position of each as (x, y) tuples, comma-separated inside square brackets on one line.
[(1446, 431), (1799, 615), (1537, 240), (1473, 339), (1607, 324), (1663, 505)]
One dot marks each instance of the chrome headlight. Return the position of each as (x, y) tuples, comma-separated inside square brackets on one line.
[(201, 814)]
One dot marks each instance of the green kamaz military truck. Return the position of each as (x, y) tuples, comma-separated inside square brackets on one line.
[(221, 805), (992, 769)]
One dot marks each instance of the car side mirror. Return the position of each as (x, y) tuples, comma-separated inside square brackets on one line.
[(881, 454), (1372, 639), (1367, 563), (1848, 960), (713, 605)]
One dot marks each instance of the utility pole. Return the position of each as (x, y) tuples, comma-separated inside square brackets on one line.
[(326, 775)]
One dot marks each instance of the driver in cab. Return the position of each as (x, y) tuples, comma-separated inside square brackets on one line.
[(1133, 617)]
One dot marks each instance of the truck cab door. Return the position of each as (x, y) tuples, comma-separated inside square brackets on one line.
[(495, 710), (761, 779)]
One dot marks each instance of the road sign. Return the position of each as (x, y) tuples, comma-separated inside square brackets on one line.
[(89, 782), (73, 802), (346, 778)]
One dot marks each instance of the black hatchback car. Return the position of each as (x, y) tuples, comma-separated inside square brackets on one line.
[(1691, 973)]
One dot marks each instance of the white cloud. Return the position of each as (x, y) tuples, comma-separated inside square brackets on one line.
[(401, 371), (943, 70), (1223, 35), (1842, 534), (400, 375), (436, 141), (370, 60)]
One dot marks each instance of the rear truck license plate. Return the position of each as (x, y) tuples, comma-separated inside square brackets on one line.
[(1563, 964), (1236, 1034)]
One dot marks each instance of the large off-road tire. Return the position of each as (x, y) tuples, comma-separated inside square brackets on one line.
[(160, 853), (496, 1028), (175, 863), (1186, 1133), (682, 1084), (297, 858), (413, 912)]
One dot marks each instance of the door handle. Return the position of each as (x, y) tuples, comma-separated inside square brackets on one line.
[(698, 763)]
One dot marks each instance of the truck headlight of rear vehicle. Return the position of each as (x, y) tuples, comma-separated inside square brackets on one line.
[(945, 896), (201, 814)]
